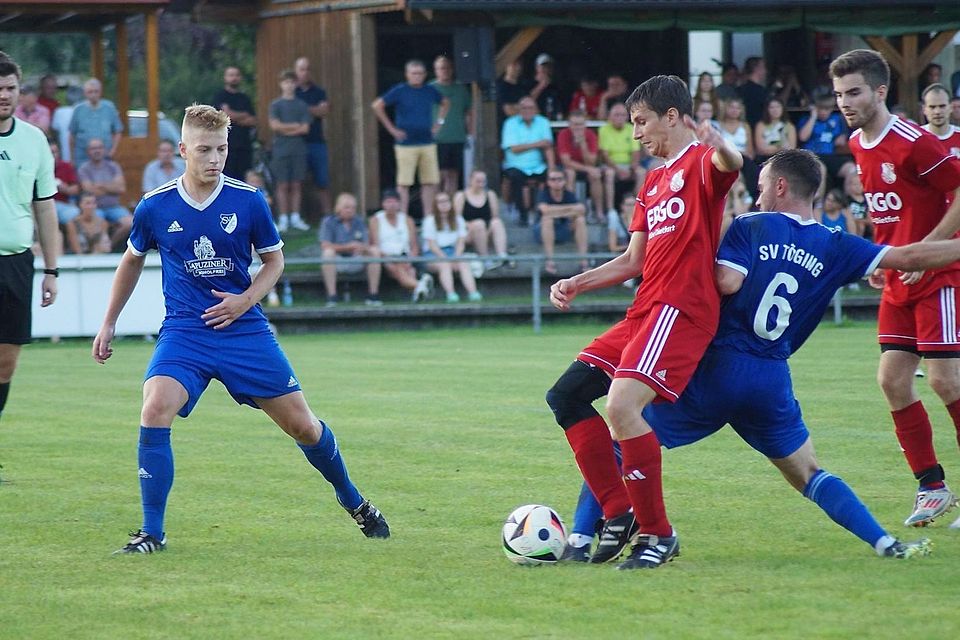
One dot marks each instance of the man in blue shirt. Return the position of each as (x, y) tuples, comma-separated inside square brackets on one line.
[(562, 217), (316, 98), (94, 118), (823, 131), (527, 143), (414, 131), (779, 271), (204, 226)]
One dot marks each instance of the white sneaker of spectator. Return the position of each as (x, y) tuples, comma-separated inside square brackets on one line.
[(283, 223), (297, 222)]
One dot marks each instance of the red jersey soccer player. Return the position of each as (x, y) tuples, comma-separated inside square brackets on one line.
[(907, 174), (936, 109), (652, 352)]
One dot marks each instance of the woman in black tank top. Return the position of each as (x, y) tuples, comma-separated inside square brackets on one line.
[(480, 208)]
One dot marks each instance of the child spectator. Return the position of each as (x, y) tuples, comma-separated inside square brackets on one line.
[(823, 130), (444, 234), (832, 214), (290, 121), (87, 232), (857, 206)]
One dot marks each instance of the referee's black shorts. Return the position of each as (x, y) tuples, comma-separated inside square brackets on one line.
[(16, 293)]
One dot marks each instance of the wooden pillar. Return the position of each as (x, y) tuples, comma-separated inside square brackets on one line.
[(153, 77), (96, 54), (366, 159), (907, 85), (123, 73), (909, 62)]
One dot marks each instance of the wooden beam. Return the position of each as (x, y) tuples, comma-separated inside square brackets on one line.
[(882, 45), (96, 54), (153, 76), (515, 47), (934, 47), (123, 73), (907, 91)]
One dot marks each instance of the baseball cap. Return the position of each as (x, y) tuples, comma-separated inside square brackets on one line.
[(389, 193), (544, 58)]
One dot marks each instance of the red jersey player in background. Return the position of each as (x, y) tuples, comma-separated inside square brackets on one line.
[(652, 352), (907, 174), (936, 109)]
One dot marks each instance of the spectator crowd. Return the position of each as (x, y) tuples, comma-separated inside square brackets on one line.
[(569, 163)]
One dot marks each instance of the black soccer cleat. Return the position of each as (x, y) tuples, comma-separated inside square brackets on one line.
[(614, 537), (650, 551), (142, 542), (576, 554), (371, 521)]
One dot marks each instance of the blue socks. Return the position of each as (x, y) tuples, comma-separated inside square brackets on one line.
[(842, 505), (325, 456), (155, 458)]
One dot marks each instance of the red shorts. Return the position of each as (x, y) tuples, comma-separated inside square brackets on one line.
[(929, 324), (661, 349)]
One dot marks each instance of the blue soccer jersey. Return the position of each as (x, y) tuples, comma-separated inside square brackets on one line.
[(794, 266), (204, 246)]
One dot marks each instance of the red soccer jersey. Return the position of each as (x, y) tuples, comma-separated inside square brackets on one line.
[(680, 207), (566, 145), (906, 174), (952, 142)]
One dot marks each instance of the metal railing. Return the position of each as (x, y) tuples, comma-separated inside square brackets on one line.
[(536, 260)]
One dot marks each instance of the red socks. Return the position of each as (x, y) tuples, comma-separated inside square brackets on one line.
[(916, 436), (642, 477), (954, 409), (593, 449)]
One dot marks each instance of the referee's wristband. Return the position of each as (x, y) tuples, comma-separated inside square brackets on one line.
[(52, 272)]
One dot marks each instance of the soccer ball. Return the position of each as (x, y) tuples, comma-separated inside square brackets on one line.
[(534, 534)]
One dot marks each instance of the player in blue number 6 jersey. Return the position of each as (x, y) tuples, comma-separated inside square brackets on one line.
[(779, 270), (204, 226)]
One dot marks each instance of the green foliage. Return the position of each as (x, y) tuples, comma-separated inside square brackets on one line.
[(192, 58), (447, 432)]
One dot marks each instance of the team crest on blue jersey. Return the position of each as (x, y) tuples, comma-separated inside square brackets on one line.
[(228, 222), (676, 182), (887, 173), (207, 264)]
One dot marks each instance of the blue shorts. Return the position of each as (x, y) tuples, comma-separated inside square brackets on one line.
[(447, 251), (249, 363), (562, 231), (317, 161), (753, 395)]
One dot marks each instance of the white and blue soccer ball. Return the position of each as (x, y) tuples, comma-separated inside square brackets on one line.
[(534, 534)]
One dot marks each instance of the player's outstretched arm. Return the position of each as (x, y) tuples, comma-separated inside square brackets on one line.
[(627, 265), (124, 282), (234, 305), (920, 256)]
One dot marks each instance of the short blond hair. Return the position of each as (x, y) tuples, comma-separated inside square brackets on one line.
[(205, 118)]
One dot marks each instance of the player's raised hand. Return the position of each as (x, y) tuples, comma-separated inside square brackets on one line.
[(101, 344), (562, 293), (704, 131), (230, 307)]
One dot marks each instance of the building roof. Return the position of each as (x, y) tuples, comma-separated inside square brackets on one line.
[(40, 16)]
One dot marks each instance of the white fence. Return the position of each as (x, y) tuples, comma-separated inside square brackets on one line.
[(83, 289)]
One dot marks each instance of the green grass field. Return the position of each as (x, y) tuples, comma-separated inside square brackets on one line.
[(447, 432)]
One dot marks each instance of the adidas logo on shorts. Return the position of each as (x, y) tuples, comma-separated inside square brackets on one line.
[(292, 382)]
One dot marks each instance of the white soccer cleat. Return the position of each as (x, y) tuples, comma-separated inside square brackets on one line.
[(930, 505)]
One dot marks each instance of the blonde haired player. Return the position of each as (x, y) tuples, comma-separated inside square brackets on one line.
[(204, 225)]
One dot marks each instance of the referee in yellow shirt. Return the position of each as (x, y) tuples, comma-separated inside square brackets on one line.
[(27, 187)]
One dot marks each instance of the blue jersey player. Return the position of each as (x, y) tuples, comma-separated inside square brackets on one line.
[(779, 271), (204, 225)]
